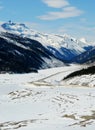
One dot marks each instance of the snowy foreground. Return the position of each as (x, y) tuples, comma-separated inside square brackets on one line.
[(42, 101)]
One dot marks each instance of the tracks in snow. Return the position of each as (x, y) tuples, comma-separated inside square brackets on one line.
[(52, 78)]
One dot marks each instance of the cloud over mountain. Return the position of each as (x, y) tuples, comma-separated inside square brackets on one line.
[(56, 3), (67, 10)]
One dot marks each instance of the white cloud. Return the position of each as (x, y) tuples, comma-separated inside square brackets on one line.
[(56, 3), (66, 12), (1, 7)]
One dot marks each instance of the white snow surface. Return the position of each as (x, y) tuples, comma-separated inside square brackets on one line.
[(84, 80), (42, 101)]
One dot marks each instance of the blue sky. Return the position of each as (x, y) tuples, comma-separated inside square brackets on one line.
[(73, 17)]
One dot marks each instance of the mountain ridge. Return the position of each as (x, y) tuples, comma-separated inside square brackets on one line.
[(30, 50), (23, 55), (64, 45)]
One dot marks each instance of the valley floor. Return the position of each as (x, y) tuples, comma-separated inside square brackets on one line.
[(42, 101)]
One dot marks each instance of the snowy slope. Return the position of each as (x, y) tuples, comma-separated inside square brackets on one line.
[(88, 57), (62, 46), (25, 105), (24, 55), (84, 77)]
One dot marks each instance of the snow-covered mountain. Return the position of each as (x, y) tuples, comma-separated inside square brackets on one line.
[(63, 47), (27, 50), (88, 57), (19, 54)]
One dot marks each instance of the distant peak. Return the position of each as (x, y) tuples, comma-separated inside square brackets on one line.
[(11, 26), (83, 40)]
